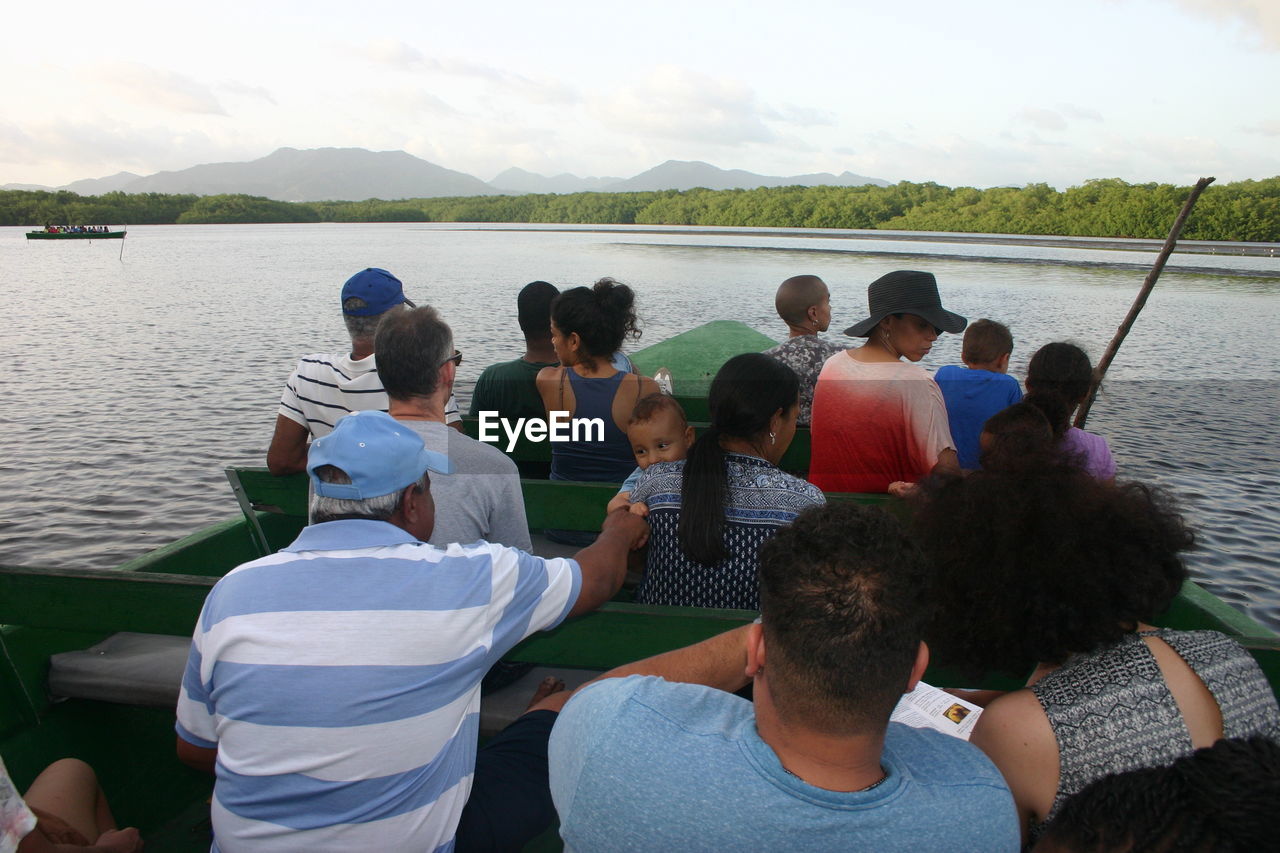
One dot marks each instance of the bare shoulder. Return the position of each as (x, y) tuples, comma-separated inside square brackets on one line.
[(1015, 734), (1015, 713), (648, 386), (548, 375)]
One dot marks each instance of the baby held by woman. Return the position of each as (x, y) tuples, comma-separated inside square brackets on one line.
[(658, 432)]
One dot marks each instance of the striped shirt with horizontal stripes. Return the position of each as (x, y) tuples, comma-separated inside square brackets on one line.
[(339, 680), (324, 387)]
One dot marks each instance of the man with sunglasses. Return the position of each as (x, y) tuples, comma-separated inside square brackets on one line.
[(481, 499)]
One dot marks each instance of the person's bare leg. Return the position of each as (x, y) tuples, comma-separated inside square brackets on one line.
[(550, 686), (69, 789), (106, 820)]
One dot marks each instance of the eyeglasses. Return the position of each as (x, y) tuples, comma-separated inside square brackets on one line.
[(456, 358)]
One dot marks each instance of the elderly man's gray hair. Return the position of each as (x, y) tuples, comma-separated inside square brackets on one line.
[(363, 328), (380, 508)]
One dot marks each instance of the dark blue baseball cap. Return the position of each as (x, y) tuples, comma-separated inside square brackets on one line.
[(380, 290)]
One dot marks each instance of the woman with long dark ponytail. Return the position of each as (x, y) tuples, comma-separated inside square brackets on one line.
[(709, 513)]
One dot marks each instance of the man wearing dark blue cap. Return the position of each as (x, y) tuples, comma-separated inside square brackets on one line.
[(335, 685), (324, 386)]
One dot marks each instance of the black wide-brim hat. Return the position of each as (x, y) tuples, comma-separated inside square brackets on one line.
[(906, 292)]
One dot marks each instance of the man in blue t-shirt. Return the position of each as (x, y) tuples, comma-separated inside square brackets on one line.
[(981, 388), (658, 756)]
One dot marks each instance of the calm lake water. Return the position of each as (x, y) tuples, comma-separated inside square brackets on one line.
[(135, 381)]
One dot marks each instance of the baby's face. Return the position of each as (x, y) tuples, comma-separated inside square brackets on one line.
[(662, 438)]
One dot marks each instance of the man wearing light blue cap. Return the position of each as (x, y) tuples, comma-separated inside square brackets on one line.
[(335, 685), (327, 386)]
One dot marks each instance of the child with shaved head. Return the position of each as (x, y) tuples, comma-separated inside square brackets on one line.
[(804, 304)]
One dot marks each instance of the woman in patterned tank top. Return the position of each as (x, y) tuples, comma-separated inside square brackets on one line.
[(1048, 569)]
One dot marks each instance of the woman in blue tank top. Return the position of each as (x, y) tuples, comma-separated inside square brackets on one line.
[(588, 325)]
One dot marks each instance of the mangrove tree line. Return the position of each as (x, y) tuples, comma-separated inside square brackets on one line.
[(1244, 210)]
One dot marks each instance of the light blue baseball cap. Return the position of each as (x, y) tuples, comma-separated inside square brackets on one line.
[(379, 454)]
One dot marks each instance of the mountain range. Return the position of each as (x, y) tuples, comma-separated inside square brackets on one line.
[(354, 174)]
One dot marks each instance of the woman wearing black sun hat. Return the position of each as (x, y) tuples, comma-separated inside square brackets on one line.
[(878, 419)]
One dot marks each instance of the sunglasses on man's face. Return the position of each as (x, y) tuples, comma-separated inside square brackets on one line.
[(456, 358)]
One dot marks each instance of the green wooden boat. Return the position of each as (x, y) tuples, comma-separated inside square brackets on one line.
[(56, 623), (76, 235)]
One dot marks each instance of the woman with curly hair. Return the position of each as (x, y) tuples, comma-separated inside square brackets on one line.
[(1222, 798), (588, 325), (1055, 570)]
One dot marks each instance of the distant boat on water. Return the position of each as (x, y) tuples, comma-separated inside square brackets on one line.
[(77, 232)]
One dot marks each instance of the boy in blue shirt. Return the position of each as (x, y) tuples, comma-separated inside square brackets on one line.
[(981, 388)]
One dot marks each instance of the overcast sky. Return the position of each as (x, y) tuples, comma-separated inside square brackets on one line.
[(979, 93)]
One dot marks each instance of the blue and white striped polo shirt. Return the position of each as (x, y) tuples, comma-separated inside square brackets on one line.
[(339, 680)]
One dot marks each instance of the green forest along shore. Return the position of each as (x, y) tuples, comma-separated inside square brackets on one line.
[(1241, 211)]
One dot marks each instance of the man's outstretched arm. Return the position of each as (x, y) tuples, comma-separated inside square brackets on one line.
[(604, 562), (288, 451), (719, 662)]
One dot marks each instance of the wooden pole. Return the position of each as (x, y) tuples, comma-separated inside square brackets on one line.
[(1112, 348)]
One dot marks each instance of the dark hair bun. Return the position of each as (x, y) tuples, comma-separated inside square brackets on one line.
[(601, 315)]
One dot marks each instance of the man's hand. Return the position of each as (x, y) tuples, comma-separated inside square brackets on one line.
[(604, 562), (629, 524)]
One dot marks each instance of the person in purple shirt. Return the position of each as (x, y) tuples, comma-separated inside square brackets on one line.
[(1058, 380)]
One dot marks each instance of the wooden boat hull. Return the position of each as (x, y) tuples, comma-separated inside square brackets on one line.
[(76, 235)]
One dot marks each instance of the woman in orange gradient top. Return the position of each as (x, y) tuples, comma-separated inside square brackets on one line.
[(878, 420)]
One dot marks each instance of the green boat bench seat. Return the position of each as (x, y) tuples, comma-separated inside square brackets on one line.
[(275, 508), (534, 453)]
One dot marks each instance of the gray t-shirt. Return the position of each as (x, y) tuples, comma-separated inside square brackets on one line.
[(481, 499)]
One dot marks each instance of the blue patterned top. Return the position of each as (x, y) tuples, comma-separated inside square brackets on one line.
[(762, 499)]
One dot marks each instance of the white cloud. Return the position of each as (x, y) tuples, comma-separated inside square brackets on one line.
[(409, 103), (1258, 19), (156, 88), (1072, 111), (67, 150), (235, 87), (16, 145), (676, 103), (680, 104), (400, 56), (802, 116), (1264, 128), (392, 53), (1041, 118)]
